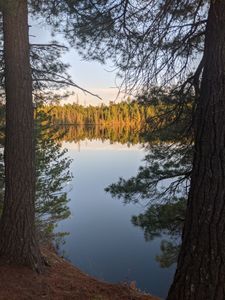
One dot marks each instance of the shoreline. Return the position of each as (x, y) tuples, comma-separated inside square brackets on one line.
[(61, 281)]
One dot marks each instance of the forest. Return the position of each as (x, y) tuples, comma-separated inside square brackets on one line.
[(169, 56), (126, 113)]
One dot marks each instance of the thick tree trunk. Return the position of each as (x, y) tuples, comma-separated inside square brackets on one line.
[(18, 243), (200, 272)]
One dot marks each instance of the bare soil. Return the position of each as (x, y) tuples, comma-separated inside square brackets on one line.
[(61, 281)]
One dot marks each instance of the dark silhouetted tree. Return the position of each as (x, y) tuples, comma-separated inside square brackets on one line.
[(18, 242), (181, 42)]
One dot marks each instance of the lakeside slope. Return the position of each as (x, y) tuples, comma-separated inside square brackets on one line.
[(61, 281)]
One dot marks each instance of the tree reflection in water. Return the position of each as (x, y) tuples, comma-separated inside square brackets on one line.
[(120, 134), (164, 219), (52, 175), (162, 181)]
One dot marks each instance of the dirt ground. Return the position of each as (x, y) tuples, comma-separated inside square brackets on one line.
[(61, 281)]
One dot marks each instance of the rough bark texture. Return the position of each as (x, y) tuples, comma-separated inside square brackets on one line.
[(17, 228), (200, 272)]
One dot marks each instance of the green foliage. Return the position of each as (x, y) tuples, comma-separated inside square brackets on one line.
[(124, 113), (144, 39), (163, 180), (169, 255), (164, 220), (52, 175), (49, 72), (160, 219), (154, 116), (164, 183), (165, 173), (168, 162)]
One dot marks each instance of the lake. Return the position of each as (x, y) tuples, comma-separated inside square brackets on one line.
[(102, 241)]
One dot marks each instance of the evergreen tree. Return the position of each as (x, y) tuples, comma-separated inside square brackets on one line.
[(52, 175), (18, 241), (167, 39), (26, 70), (132, 114)]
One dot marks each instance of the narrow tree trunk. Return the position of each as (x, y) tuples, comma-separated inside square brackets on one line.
[(200, 272), (17, 229)]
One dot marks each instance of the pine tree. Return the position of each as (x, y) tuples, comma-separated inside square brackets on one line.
[(18, 242), (153, 39)]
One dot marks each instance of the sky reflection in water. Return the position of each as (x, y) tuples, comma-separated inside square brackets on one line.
[(102, 241)]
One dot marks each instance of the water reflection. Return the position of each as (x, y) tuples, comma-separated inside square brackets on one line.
[(165, 217), (105, 240), (52, 175), (123, 135), (164, 220), (161, 185)]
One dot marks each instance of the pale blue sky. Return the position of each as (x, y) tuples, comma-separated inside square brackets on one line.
[(92, 76)]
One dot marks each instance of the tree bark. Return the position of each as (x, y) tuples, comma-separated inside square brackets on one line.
[(200, 271), (18, 242)]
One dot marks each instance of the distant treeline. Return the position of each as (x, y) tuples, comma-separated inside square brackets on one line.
[(124, 113)]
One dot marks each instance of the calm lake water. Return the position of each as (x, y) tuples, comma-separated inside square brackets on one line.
[(102, 241)]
